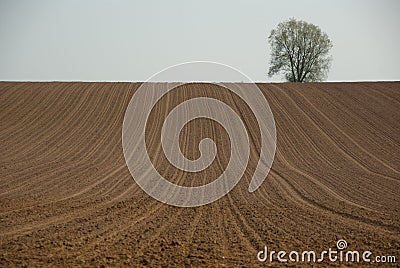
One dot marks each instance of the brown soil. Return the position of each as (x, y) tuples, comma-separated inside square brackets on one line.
[(67, 197)]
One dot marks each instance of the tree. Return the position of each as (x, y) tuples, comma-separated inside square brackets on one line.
[(300, 51)]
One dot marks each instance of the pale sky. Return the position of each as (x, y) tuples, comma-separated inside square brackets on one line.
[(132, 40)]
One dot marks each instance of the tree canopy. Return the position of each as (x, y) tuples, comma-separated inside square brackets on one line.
[(300, 51)]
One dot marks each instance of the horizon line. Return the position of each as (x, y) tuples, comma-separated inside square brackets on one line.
[(244, 82)]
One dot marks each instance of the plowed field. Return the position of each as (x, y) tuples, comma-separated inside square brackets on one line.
[(67, 197)]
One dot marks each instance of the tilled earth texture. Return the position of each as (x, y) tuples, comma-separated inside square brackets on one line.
[(68, 199)]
